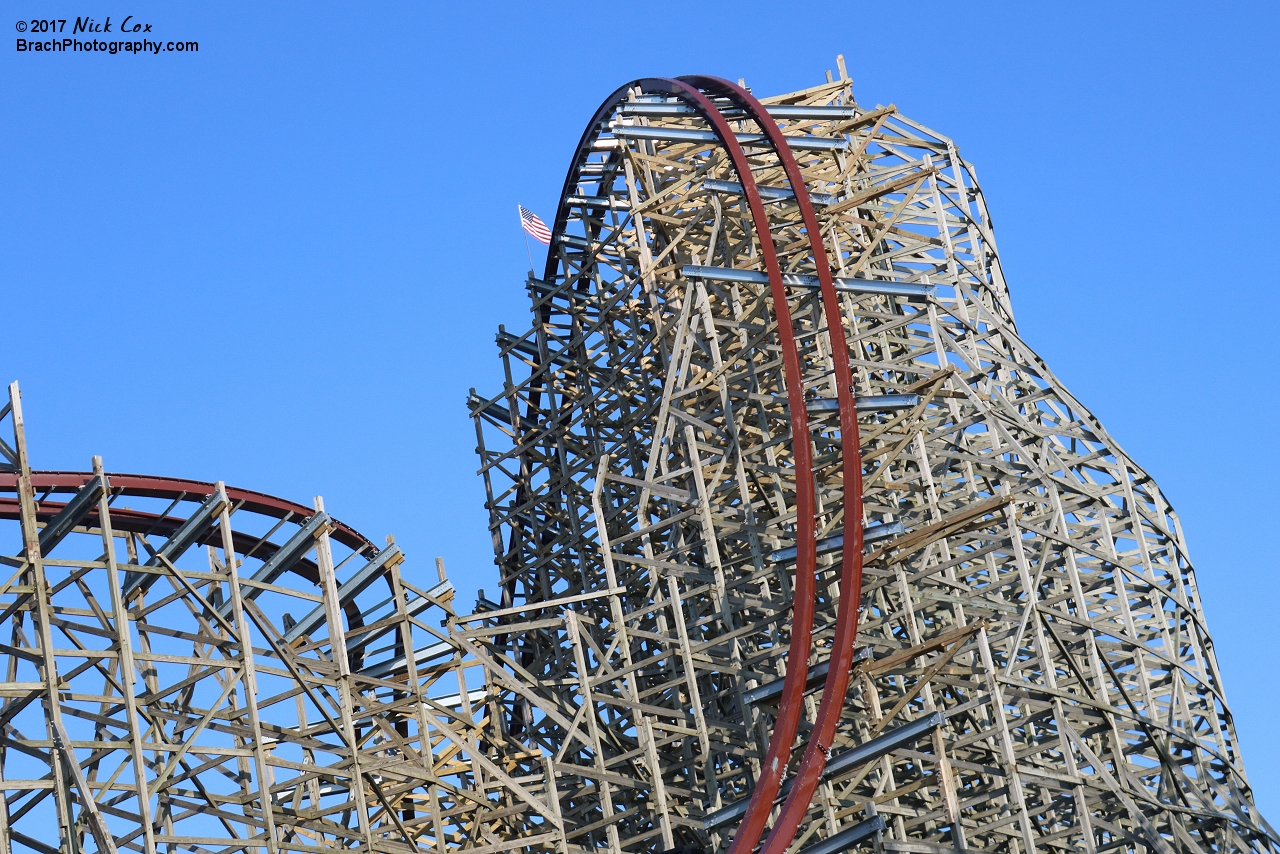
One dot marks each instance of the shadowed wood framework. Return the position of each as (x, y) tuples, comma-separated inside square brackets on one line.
[(1032, 670)]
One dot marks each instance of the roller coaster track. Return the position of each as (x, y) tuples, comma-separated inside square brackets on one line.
[(694, 91), (191, 666), (837, 680), (801, 550)]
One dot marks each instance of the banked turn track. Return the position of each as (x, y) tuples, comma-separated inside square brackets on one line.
[(772, 345)]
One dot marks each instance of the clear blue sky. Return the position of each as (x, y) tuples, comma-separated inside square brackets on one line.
[(280, 261)]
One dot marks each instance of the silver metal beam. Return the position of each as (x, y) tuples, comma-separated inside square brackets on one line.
[(912, 291), (674, 109), (383, 669), (182, 539), (870, 534), (665, 134), (80, 506), (348, 590), (847, 838), (817, 674), (294, 549), (869, 403), (770, 193), (866, 752)]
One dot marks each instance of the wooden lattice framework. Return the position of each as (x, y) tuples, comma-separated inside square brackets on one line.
[(243, 659), (683, 655), (1032, 667)]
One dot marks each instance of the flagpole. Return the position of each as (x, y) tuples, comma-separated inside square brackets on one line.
[(526, 241)]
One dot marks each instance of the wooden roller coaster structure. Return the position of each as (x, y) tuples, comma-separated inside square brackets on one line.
[(801, 549)]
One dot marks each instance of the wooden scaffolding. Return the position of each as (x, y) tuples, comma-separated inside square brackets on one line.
[(1031, 671), (190, 667), (801, 549)]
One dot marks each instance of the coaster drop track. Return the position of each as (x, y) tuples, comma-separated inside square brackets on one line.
[(736, 103), (732, 114)]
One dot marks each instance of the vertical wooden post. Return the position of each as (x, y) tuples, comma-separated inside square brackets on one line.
[(128, 667), (249, 677), (59, 757), (338, 650)]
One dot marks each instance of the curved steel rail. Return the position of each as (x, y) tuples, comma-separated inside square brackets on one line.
[(152, 486), (841, 659), (791, 705), (173, 489)]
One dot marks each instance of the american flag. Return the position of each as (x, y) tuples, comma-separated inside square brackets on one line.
[(534, 226)]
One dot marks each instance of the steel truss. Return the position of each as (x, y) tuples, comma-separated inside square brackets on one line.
[(672, 483)]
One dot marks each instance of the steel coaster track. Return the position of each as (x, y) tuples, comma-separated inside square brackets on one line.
[(171, 488), (180, 489), (841, 660), (791, 706), (693, 91)]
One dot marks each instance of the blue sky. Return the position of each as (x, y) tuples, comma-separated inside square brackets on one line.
[(280, 261)]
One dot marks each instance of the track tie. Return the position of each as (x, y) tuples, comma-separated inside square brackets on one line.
[(912, 291), (666, 134), (868, 751), (769, 193), (817, 674)]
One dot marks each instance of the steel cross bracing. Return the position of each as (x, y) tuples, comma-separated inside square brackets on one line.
[(666, 472), (189, 667)]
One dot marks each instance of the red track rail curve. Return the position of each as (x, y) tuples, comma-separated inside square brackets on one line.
[(152, 486), (791, 705), (841, 661)]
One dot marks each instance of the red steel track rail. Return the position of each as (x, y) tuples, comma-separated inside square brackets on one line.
[(170, 488), (791, 706), (841, 661), (152, 486)]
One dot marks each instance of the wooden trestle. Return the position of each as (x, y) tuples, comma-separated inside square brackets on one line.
[(708, 635), (190, 667), (1028, 611)]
